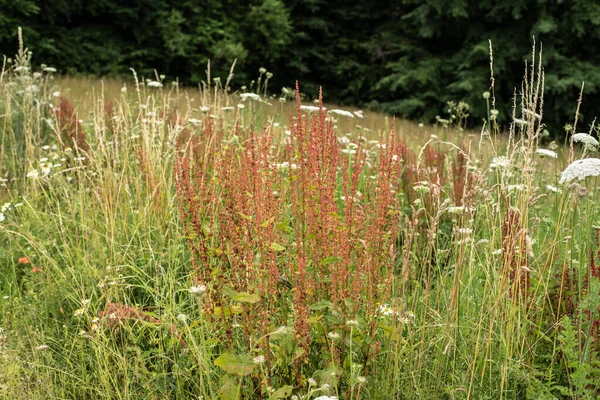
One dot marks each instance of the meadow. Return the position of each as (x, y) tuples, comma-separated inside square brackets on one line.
[(224, 243)]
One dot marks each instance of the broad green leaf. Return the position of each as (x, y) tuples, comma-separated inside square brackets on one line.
[(282, 392), (330, 260), (321, 305), (267, 222), (236, 364), (277, 247), (230, 390), (246, 298)]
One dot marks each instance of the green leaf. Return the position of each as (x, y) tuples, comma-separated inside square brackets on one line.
[(330, 260), (321, 305), (246, 217), (277, 247), (236, 364), (282, 392), (267, 222), (246, 298), (230, 390)]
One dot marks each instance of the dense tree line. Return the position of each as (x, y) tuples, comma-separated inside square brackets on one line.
[(407, 57)]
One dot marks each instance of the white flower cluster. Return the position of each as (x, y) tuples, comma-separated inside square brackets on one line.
[(251, 96), (546, 153), (343, 113), (311, 108), (587, 140), (581, 169)]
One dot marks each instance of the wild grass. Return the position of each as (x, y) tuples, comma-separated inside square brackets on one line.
[(166, 242)]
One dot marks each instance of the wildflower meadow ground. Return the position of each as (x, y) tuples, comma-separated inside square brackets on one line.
[(211, 243)]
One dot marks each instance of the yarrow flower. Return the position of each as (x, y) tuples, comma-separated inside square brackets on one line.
[(581, 169), (546, 153), (154, 84)]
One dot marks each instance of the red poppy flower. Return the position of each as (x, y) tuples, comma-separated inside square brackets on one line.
[(36, 269), (23, 260)]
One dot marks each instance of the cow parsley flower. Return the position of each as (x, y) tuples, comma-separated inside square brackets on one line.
[(546, 153), (198, 290), (343, 113), (581, 169), (259, 359), (251, 96), (587, 140), (311, 108), (154, 84), (500, 162), (49, 69)]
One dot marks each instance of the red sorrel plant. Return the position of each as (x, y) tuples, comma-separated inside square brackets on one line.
[(296, 238), (68, 126)]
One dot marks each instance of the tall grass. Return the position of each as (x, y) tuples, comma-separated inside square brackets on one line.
[(161, 242)]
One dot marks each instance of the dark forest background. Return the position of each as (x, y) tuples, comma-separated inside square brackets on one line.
[(405, 57)]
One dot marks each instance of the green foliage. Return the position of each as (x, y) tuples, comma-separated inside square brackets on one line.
[(409, 58)]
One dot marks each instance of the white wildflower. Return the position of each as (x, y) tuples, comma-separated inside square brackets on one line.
[(333, 335), (497, 252), (500, 162), (581, 169), (55, 94), (259, 359), (241, 106), (349, 151), (587, 140), (386, 310), (227, 108), (49, 69), (251, 96), (2, 217), (352, 323), (459, 209), (311, 108), (465, 231), (361, 379), (518, 187), (33, 174), (154, 84), (42, 347), (78, 312), (359, 114), (198, 290), (520, 122), (343, 113), (5, 207), (553, 188), (312, 382), (182, 317), (546, 153)]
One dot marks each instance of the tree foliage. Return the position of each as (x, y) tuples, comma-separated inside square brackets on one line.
[(407, 57)]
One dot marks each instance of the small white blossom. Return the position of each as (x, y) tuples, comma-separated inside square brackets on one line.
[(343, 113), (500, 162), (333, 335), (182, 317), (198, 290), (78, 312), (311, 108), (259, 359), (2, 217), (546, 153), (251, 96), (33, 174), (49, 69), (154, 84), (553, 188), (352, 323), (42, 347)]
